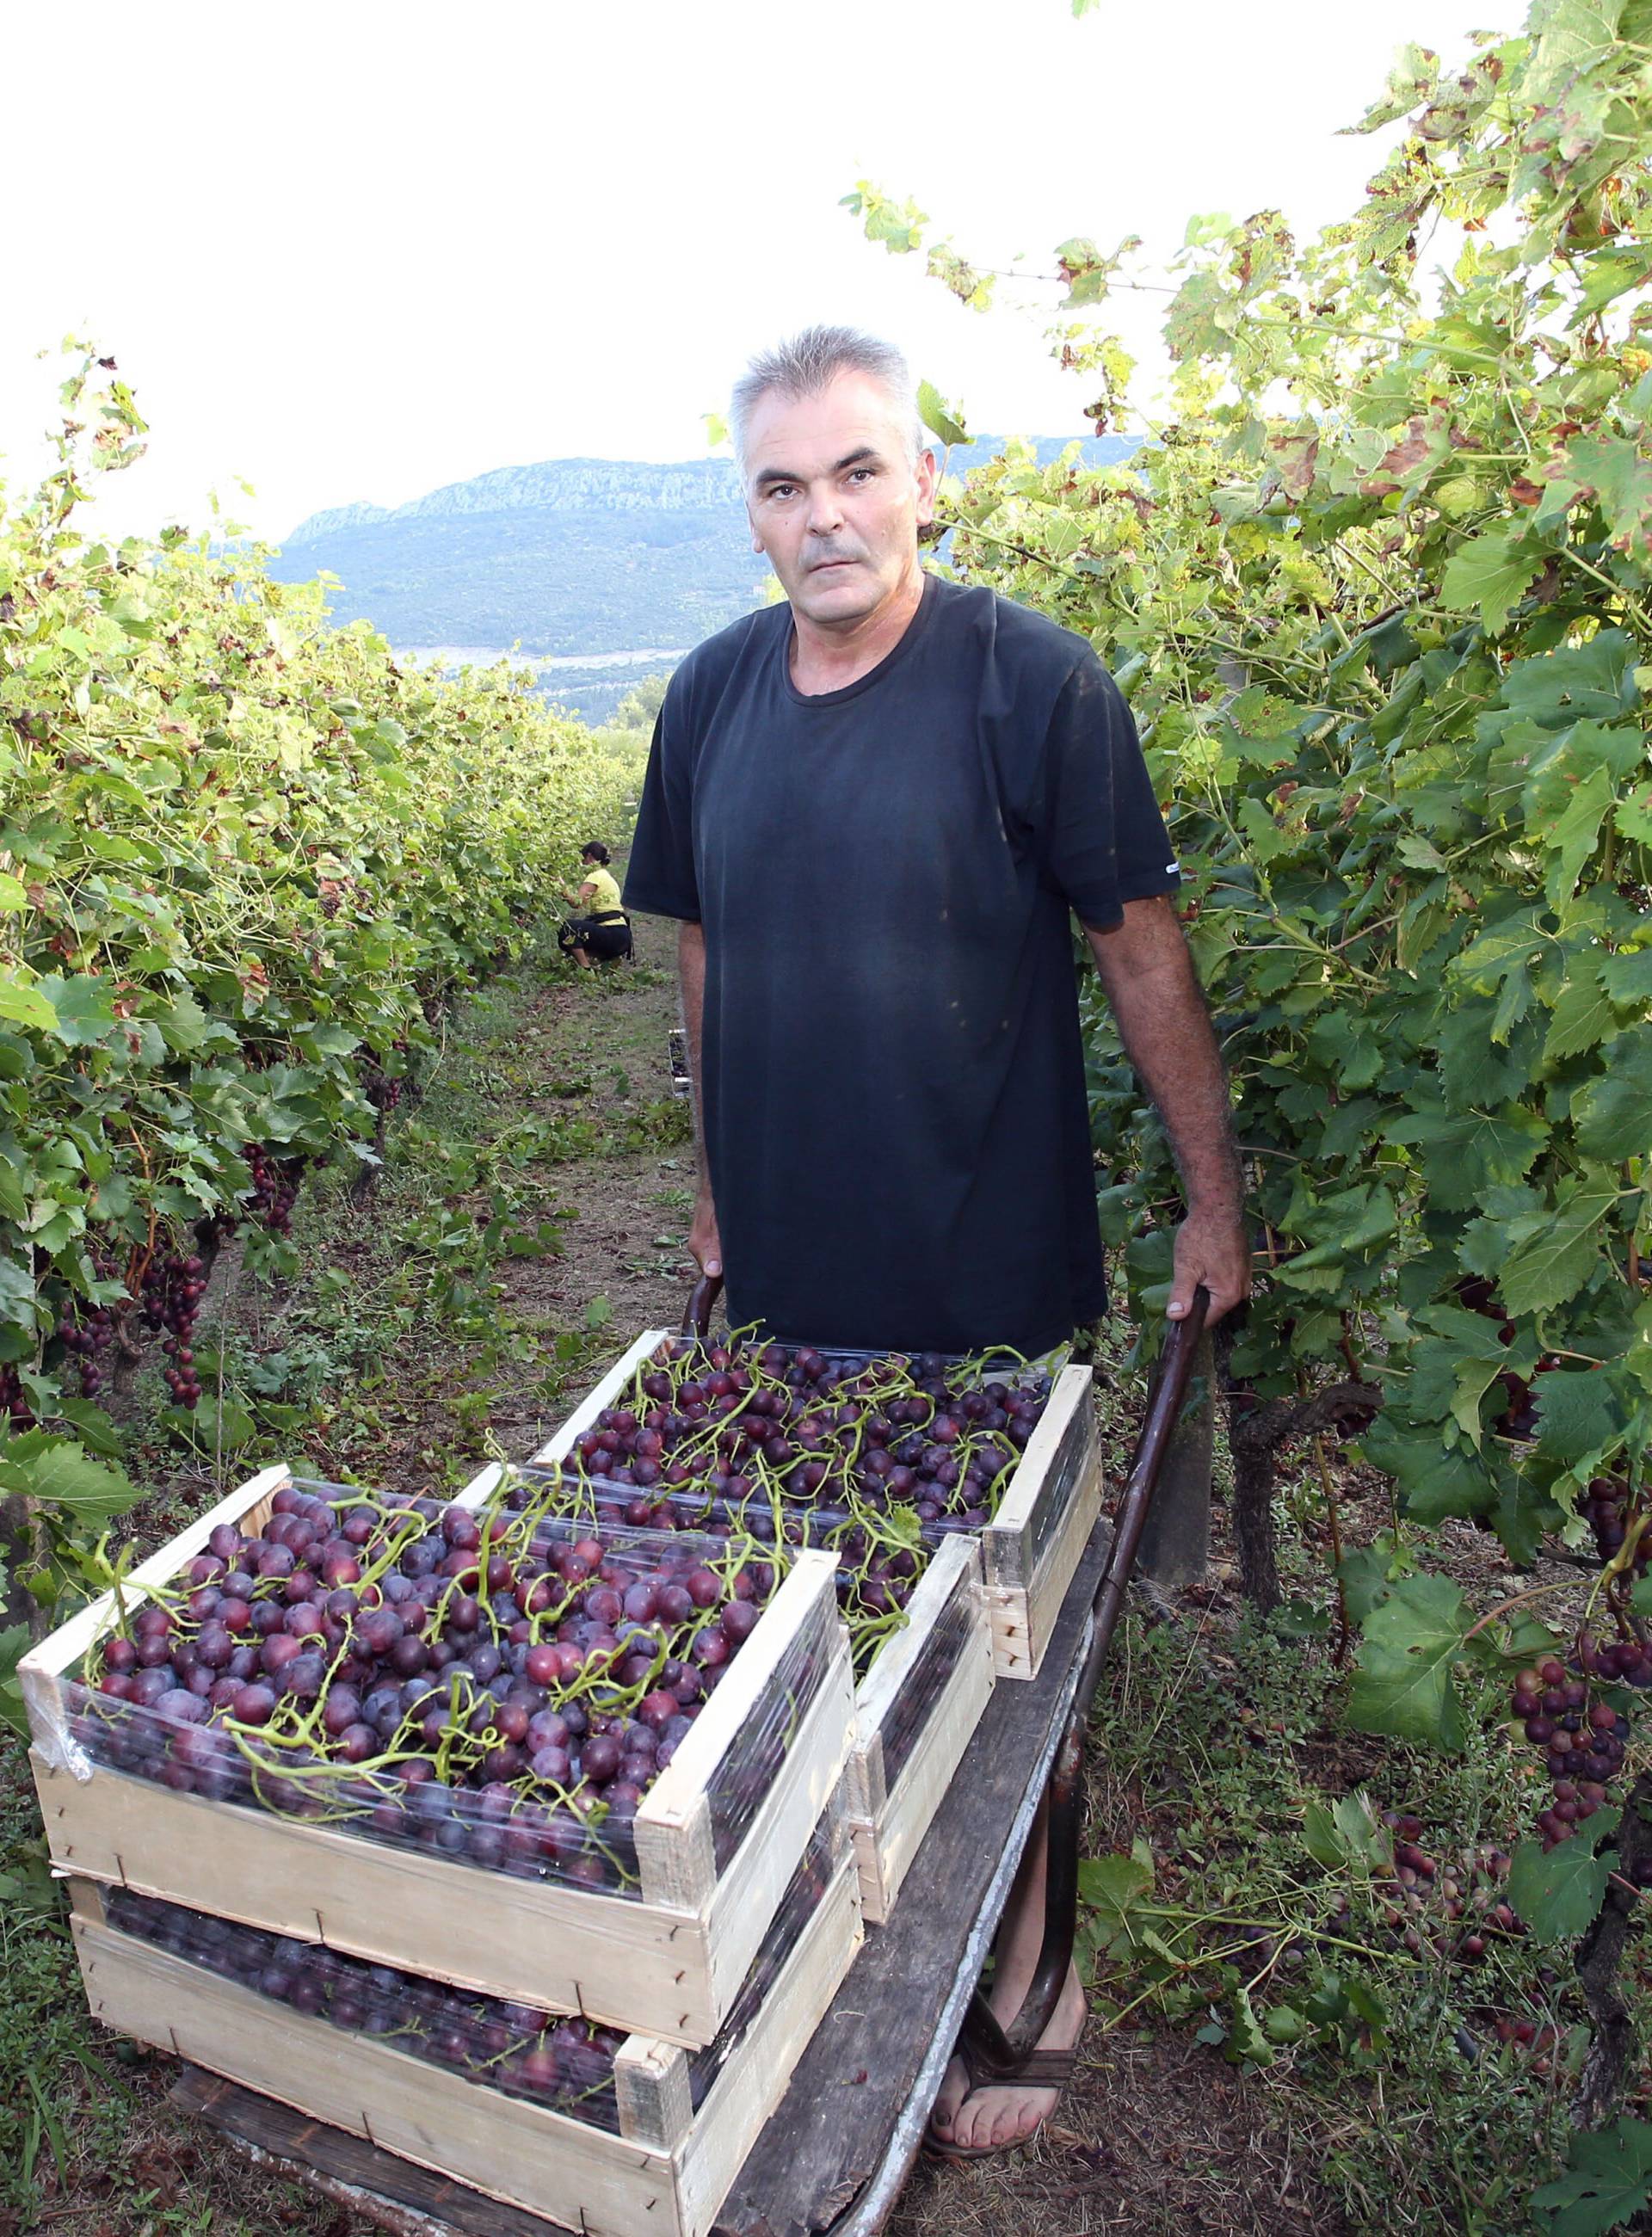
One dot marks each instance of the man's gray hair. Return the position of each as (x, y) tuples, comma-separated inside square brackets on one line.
[(808, 363)]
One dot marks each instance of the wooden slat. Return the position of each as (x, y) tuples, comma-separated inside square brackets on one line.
[(562, 1948), (749, 1889), (754, 2081), (651, 2089), (389, 2192)]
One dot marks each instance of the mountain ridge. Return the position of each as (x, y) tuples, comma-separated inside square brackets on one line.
[(565, 557)]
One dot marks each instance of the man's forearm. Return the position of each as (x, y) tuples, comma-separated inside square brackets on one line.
[(1160, 1010)]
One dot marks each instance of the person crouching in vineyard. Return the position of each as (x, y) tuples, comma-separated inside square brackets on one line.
[(873, 809), (603, 934)]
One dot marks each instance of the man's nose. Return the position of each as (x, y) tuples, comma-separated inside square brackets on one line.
[(825, 513)]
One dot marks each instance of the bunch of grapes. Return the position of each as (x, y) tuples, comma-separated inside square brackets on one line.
[(715, 1434), (1583, 1736), (552, 2060), (384, 1090), (1612, 1510), (171, 1291), (88, 1335), (875, 1458), (275, 1189), (483, 1686), (1454, 1905), (13, 1401)]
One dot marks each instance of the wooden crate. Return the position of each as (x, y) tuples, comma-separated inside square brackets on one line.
[(1030, 1548), (905, 1753), (670, 1963), (664, 2174)]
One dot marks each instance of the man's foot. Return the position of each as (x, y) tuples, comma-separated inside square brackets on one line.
[(998, 2116)]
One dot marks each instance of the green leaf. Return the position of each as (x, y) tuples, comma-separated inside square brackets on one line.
[(939, 417), (1113, 1888), (25, 1006), (1579, 1412), (1412, 1642), (57, 1472), (14, 1645), (1558, 1891), (1627, 977), (1554, 1264), (1582, 1019), (1608, 2180), (14, 894), (1491, 575), (1614, 1113), (1574, 835), (92, 1426), (83, 1010)]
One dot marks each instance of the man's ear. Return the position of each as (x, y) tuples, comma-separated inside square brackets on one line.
[(929, 478)]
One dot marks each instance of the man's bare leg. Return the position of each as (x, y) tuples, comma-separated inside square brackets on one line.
[(1001, 2113)]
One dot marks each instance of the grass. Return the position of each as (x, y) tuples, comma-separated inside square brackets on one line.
[(1233, 1907)]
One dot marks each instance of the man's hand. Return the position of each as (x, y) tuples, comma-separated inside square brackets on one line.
[(703, 1239), (1210, 1248), (1159, 1011)]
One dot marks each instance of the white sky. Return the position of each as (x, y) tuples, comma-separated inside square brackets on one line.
[(358, 248)]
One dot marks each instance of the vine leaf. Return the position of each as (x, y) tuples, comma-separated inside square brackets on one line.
[(1614, 1112), (1412, 1643), (57, 1472), (1554, 1264), (1558, 1891), (1491, 574), (1608, 2178), (939, 417)]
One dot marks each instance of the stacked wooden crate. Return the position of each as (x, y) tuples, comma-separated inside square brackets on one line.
[(700, 2067)]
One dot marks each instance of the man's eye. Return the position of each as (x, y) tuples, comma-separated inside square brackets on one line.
[(862, 473)]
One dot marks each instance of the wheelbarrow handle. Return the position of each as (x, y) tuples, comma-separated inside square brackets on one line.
[(696, 1314)]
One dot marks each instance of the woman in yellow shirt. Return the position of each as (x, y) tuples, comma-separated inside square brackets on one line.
[(603, 934)]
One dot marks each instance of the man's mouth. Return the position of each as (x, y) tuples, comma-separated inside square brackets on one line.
[(821, 566)]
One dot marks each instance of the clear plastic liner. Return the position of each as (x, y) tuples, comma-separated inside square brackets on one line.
[(457, 1681), (909, 1712), (746, 1770), (564, 2064)]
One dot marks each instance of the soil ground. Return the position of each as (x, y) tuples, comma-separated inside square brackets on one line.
[(528, 1220)]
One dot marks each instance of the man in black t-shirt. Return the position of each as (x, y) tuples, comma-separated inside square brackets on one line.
[(875, 809)]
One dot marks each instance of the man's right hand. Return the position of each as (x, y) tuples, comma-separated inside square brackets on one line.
[(703, 1238)]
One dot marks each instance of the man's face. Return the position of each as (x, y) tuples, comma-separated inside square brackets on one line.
[(834, 500)]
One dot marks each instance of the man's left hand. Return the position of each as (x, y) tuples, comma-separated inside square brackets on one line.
[(1210, 1248)]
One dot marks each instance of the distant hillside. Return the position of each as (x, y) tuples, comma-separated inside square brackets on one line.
[(574, 555)]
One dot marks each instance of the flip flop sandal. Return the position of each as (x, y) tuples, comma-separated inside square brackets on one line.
[(1040, 2069)]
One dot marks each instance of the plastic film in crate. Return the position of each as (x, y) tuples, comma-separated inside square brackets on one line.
[(807, 1891), (903, 1722), (565, 2064), (740, 1780), (430, 1676), (1072, 1457)]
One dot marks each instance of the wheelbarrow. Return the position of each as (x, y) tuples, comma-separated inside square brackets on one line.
[(835, 2152)]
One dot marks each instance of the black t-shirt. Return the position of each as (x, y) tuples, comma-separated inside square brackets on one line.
[(894, 1103)]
